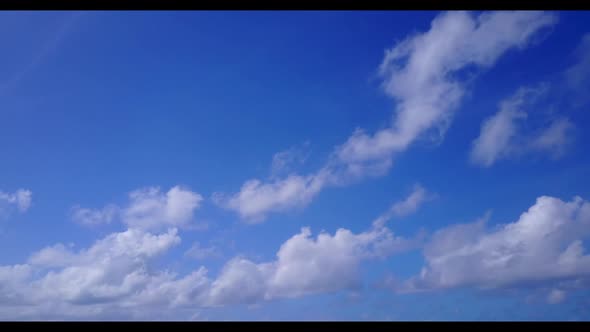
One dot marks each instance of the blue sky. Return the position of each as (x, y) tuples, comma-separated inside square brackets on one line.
[(294, 165)]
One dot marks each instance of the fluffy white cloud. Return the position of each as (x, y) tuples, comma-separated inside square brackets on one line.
[(113, 267), (543, 246), (424, 74), (256, 198), (502, 134), (148, 208), (305, 265), (240, 281), (329, 262), (21, 199), (53, 256), (12, 284), (117, 277), (130, 243), (114, 277), (409, 205)]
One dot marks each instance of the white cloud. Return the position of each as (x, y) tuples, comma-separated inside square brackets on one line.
[(130, 243), (169, 291), (240, 281), (21, 199), (12, 284), (148, 208), (91, 217), (305, 265), (496, 139), (112, 278), (120, 276), (117, 277), (423, 75), (543, 246), (409, 205), (85, 275), (255, 199), (54, 256), (111, 268), (329, 262), (503, 136)]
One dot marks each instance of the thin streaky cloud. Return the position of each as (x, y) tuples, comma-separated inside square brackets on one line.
[(419, 74), (50, 46)]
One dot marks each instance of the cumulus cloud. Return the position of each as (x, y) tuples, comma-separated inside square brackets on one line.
[(118, 277), (240, 281), (424, 74), (130, 243), (305, 265), (544, 246), (409, 205), (12, 284), (148, 208), (256, 198), (502, 135), (53, 256), (111, 268), (21, 199), (115, 273)]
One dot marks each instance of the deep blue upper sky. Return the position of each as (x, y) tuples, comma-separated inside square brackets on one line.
[(98, 107)]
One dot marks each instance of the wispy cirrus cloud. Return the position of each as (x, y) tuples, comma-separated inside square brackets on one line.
[(47, 48), (504, 134), (422, 75), (577, 76), (409, 205)]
